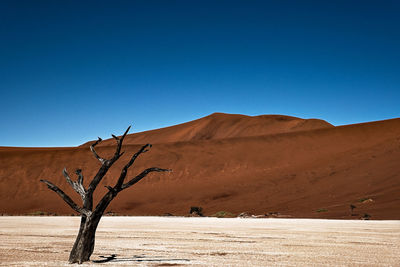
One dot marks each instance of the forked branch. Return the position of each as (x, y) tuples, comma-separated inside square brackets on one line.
[(119, 140), (107, 163)]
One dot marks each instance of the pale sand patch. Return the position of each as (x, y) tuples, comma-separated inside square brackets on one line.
[(169, 241)]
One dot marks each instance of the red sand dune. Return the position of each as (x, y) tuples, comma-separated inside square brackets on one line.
[(220, 126), (234, 163)]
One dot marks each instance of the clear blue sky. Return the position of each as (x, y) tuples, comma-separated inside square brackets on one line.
[(74, 70)]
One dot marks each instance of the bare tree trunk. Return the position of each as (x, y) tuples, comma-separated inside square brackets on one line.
[(84, 243)]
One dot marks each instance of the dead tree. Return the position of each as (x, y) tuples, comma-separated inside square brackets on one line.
[(90, 217)]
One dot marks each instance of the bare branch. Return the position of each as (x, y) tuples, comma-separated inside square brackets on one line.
[(119, 140), (77, 186), (97, 141), (131, 161), (66, 175), (126, 132), (142, 175), (80, 176), (66, 198), (141, 150), (95, 153)]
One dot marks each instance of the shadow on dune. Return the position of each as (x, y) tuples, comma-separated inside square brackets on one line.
[(136, 258)]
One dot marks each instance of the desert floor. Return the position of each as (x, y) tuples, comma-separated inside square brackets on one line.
[(171, 241)]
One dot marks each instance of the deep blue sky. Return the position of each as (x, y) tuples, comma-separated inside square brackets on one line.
[(74, 70)]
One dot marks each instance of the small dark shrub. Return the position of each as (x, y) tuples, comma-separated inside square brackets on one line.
[(196, 211), (366, 216)]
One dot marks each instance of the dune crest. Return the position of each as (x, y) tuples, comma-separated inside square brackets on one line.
[(221, 126)]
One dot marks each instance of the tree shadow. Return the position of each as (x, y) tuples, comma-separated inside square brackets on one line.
[(105, 258), (136, 258)]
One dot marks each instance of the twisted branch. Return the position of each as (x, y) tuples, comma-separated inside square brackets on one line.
[(77, 186)]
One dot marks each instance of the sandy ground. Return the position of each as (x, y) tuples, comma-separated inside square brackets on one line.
[(170, 241)]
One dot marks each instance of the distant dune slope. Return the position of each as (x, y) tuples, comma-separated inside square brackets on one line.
[(315, 172)]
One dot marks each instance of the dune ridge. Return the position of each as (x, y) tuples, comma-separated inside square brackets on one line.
[(221, 126), (264, 164)]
